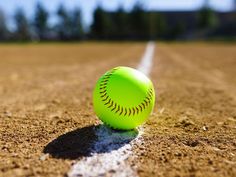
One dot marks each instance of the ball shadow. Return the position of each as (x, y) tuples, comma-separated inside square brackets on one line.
[(87, 141)]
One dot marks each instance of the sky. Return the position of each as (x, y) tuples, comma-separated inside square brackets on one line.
[(87, 6)]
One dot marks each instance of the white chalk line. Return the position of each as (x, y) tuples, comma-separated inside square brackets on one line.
[(109, 153), (111, 149), (146, 61)]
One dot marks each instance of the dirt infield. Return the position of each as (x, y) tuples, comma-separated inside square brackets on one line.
[(192, 131), (47, 120)]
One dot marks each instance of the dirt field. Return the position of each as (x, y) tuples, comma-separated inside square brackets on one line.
[(47, 120)]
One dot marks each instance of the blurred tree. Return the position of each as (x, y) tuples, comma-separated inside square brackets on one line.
[(22, 26), (161, 26), (64, 26), (70, 24), (157, 25), (234, 5), (206, 4), (41, 21), (76, 25), (3, 27), (234, 10), (178, 30), (152, 22), (207, 18), (121, 24), (139, 22), (102, 26)]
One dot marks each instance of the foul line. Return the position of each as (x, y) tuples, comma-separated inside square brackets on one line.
[(146, 61), (111, 149)]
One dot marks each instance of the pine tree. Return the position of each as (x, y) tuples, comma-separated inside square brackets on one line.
[(64, 25), (139, 22), (207, 18), (22, 26), (121, 24), (76, 25), (234, 6), (41, 21), (102, 27), (3, 27)]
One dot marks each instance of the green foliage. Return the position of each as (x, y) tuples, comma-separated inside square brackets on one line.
[(41, 21), (158, 26), (22, 26), (234, 5), (103, 25), (207, 18), (3, 27), (63, 26), (137, 24), (70, 25), (76, 25), (121, 24), (178, 30)]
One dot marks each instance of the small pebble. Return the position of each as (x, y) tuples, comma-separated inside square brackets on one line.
[(8, 114), (162, 110), (44, 157), (205, 128)]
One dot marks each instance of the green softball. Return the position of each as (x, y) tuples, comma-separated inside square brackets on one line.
[(123, 98)]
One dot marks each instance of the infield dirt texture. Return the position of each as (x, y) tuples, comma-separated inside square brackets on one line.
[(47, 122)]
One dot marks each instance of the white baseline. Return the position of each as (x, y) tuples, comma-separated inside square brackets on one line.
[(146, 61), (111, 149)]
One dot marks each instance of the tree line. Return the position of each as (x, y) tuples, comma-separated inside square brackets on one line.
[(136, 24), (68, 27)]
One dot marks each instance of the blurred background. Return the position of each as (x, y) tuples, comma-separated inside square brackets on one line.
[(76, 20)]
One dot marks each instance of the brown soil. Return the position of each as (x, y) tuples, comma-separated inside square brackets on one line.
[(47, 119), (193, 128)]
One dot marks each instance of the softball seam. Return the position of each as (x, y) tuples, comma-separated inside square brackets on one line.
[(109, 103)]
